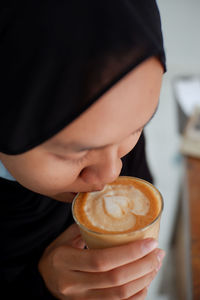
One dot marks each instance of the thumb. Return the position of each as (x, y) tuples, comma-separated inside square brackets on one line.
[(73, 237), (70, 237)]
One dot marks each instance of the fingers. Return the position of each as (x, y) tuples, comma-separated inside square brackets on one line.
[(78, 243), (113, 273), (102, 260), (131, 289), (72, 237), (123, 274), (139, 296), (69, 235)]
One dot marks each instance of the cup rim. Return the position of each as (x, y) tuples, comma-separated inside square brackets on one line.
[(122, 233)]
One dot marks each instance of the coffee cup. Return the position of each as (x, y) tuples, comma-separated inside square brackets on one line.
[(126, 210)]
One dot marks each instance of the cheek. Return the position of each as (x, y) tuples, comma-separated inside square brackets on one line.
[(55, 177), (128, 144), (43, 174)]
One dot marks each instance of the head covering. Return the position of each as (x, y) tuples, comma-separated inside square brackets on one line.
[(58, 57)]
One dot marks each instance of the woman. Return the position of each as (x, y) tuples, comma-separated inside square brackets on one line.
[(81, 80)]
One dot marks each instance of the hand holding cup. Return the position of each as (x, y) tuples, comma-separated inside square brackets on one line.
[(121, 272)]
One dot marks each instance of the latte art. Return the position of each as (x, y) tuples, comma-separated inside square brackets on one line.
[(115, 207)]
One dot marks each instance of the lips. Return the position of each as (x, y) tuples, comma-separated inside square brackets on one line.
[(97, 188), (90, 190), (73, 194)]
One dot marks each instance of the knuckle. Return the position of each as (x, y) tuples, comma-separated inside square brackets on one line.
[(122, 292), (115, 277), (97, 263), (141, 295)]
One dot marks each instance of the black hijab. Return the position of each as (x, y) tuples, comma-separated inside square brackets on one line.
[(58, 57)]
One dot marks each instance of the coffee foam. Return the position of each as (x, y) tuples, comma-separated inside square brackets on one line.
[(114, 208), (126, 205)]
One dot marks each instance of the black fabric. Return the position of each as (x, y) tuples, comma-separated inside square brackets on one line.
[(29, 222), (135, 162), (58, 57)]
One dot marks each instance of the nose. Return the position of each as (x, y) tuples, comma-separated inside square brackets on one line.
[(105, 168)]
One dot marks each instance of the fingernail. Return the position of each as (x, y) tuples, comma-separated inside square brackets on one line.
[(160, 255), (158, 268), (149, 245)]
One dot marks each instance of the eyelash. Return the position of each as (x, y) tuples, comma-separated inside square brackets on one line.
[(79, 160), (71, 160)]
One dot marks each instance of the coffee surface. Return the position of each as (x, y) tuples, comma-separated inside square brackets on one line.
[(122, 206)]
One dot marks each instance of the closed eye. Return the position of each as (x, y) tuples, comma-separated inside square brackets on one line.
[(63, 158)]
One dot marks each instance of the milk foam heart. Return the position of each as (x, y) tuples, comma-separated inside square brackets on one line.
[(115, 207)]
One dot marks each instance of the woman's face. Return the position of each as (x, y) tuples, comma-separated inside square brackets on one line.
[(87, 154)]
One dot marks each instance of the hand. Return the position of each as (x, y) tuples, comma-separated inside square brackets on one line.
[(122, 272)]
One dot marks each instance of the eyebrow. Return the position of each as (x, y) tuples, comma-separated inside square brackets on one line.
[(77, 147)]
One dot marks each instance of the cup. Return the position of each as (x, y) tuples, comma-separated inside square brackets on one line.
[(126, 210)]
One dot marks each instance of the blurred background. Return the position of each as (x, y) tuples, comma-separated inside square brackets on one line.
[(181, 24)]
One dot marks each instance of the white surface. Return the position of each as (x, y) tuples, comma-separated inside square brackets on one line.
[(181, 23), (165, 163), (188, 94)]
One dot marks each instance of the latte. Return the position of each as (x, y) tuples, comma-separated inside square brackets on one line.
[(122, 210)]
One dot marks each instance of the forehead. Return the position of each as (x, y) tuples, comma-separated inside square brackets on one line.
[(124, 108)]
